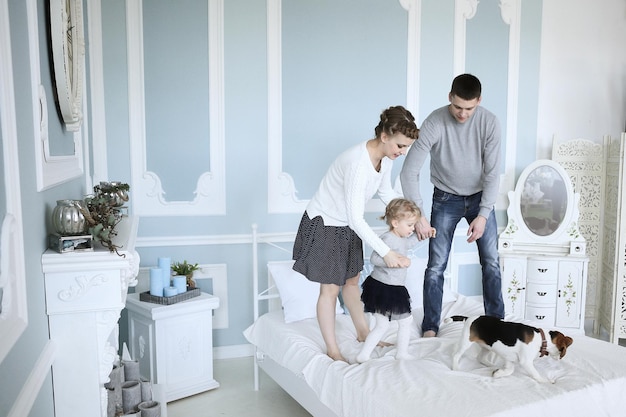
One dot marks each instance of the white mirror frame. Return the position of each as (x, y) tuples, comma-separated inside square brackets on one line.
[(566, 239), (13, 316)]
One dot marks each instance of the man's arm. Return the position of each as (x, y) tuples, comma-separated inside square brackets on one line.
[(491, 169), (410, 174)]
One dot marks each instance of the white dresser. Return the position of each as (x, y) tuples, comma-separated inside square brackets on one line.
[(542, 252), (549, 290), (174, 343)]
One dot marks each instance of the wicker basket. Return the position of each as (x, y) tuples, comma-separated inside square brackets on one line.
[(191, 293)]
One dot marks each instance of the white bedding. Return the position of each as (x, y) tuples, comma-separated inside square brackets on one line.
[(590, 379)]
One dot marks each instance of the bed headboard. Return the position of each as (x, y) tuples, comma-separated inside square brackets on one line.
[(274, 248), (265, 290)]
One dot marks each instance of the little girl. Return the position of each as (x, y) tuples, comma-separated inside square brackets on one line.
[(384, 293)]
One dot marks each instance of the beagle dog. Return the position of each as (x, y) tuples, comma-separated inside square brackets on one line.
[(509, 340)]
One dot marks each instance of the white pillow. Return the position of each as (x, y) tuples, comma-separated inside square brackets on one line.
[(298, 295), (415, 283)]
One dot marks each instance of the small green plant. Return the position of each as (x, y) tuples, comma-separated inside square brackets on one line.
[(186, 269)]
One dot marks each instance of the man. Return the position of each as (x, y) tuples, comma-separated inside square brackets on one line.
[(463, 140)]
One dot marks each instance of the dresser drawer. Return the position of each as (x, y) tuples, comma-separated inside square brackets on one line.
[(540, 270), (541, 316), (543, 294)]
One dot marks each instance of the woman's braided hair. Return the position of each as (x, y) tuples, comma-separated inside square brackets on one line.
[(397, 119)]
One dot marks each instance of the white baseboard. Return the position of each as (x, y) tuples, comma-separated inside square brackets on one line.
[(233, 351)]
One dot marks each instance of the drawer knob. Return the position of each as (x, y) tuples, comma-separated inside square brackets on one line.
[(541, 293), (542, 270), (540, 317)]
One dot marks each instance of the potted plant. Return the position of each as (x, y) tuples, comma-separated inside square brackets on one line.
[(186, 269), (103, 212)]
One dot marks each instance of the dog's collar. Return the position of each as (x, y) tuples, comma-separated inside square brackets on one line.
[(544, 344)]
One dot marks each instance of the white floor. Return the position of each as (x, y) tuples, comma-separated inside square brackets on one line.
[(236, 396)]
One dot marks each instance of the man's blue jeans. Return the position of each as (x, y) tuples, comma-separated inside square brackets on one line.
[(448, 209)]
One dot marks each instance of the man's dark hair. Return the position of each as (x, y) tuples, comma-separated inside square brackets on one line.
[(466, 86)]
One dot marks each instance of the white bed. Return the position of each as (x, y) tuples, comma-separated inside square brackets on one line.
[(590, 380)]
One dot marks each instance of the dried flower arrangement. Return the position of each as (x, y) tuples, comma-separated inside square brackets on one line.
[(104, 212)]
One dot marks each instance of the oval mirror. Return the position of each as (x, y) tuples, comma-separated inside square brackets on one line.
[(543, 202)]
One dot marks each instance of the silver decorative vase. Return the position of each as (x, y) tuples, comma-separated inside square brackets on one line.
[(67, 218)]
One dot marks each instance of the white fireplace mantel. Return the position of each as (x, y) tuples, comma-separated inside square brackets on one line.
[(85, 294)]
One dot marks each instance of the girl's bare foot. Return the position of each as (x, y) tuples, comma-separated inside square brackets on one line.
[(429, 333), (384, 344)]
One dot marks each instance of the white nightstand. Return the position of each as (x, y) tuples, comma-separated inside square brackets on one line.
[(174, 343)]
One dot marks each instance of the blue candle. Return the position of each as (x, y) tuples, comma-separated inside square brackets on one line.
[(166, 277), (166, 264), (156, 282), (180, 282), (170, 291)]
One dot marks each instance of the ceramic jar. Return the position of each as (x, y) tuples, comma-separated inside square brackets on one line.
[(67, 219)]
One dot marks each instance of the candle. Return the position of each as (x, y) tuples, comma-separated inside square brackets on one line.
[(180, 282), (170, 291), (166, 264), (156, 282), (166, 277)]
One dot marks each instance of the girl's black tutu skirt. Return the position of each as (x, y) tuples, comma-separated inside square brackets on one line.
[(392, 301)]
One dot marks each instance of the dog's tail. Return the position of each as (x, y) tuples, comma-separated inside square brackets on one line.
[(455, 318)]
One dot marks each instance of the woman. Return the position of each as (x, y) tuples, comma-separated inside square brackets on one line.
[(329, 245)]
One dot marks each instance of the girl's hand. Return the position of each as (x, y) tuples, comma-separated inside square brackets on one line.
[(395, 260)]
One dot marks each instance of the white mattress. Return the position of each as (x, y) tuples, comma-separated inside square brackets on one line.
[(590, 379)]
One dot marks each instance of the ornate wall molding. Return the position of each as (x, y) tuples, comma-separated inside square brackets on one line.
[(414, 9), (51, 169), (511, 13), (96, 96), (13, 309), (282, 192), (147, 191), (463, 10)]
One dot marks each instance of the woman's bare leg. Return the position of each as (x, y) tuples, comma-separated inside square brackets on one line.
[(326, 318), (352, 299)]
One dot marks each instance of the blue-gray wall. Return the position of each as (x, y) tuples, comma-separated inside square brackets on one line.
[(343, 62)]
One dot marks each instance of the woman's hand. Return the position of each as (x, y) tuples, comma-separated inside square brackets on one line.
[(395, 260)]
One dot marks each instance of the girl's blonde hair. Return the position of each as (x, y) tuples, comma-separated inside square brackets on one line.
[(400, 208)]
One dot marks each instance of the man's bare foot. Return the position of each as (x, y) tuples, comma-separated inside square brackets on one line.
[(429, 333), (384, 344)]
